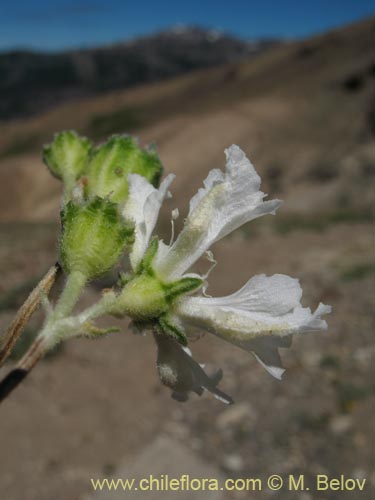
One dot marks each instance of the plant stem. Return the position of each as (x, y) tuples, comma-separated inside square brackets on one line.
[(26, 310), (50, 332), (75, 282), (23, 368), (96, 310)]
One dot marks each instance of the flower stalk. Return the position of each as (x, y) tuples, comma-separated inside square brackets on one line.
[(74, 285)]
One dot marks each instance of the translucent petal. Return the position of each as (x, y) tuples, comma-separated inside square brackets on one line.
[(178, 371), (260, 317), (227, 200), (275, 294), (142, 208)]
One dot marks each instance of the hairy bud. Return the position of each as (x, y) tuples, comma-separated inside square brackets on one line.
[(93, 238), (107, 173), (67, 156)]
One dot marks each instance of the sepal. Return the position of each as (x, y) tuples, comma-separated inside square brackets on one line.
[(169, 328), (142, 298), (145, 266), (182, 287)]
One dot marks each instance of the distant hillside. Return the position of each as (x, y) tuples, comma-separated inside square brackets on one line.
[(31, 81), (303, 111)]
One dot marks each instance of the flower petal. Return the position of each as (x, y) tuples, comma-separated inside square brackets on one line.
[(178, 371), (227, 200), (260, 317), (265, 350), (142, 208), (275, 295)]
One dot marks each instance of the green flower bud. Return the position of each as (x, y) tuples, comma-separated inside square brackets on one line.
[(93, 238), (146, 299), (143, 299), (67, 156), (149, 301), (108, 170)]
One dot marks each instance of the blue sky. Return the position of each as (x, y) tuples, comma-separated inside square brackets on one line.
[(58, 24)]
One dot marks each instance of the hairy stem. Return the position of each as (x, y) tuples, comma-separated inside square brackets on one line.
[(49, 333), (67, 300), (75, 282)]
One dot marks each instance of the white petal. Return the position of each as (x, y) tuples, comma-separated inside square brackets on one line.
[(178, 371), (273, 368), (260, 317), (228, 200), (275, 294), (265, 350), (142, 208)]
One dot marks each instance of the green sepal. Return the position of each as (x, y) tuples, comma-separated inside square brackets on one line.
[(182, 286), (146, 298), (172, 330), (110, 164), (93, 238), (93, 331), (67, 156), (142, 298), (145, 266)]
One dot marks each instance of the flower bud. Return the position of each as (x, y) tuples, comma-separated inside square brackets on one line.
[(107, 174), (67, 156), (147, 299), (143, 299), (93, 238)]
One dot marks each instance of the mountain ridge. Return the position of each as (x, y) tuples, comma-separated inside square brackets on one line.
[(302, 111), (52, 78)]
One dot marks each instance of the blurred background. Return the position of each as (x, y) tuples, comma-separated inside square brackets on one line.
[(292, 83)]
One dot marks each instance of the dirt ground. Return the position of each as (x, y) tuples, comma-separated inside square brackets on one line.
[(96, 402)]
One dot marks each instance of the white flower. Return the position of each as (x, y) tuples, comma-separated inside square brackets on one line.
[(261, 317), (142, 208)]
